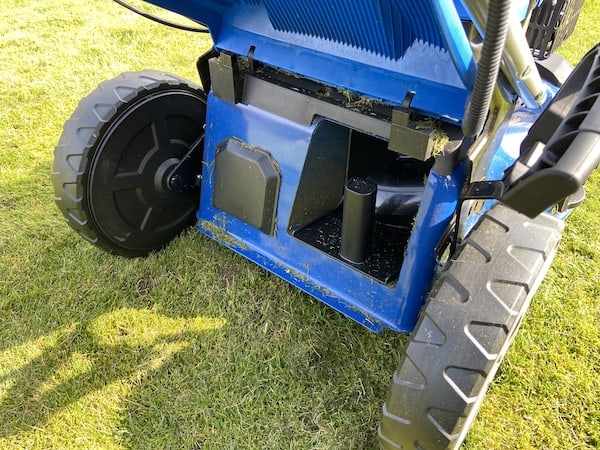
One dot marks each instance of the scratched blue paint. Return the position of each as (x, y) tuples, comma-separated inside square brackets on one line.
[(374, 304), (424, 54)]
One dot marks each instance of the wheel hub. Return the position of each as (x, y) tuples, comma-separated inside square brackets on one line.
[(162, 177)]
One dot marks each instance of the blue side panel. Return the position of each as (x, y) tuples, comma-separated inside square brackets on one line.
[(303, 266), (370, 302), (435, 213)]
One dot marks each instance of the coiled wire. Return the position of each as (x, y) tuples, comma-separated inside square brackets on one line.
[(496, 29)]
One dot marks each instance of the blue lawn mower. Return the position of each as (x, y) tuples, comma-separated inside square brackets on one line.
[(408, 162)]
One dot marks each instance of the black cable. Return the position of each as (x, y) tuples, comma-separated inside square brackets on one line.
[(488, 66), (157, 19)]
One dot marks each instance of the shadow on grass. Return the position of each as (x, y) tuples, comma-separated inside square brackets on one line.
[(116, 347), (186, 383), (191, 348)]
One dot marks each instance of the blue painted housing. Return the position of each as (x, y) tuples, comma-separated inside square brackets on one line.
[(374, 304), (380, 49)]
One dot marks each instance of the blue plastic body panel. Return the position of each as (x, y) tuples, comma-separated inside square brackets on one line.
[(374, 304), (506, 150), (382, 49)]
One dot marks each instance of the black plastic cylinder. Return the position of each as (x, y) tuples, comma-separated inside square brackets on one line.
[(357, 219)]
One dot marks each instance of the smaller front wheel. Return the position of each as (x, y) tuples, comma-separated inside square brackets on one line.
[(465, 328), (113, 162)]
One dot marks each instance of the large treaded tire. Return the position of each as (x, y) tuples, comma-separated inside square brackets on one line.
[(465, 329), (113, 157)]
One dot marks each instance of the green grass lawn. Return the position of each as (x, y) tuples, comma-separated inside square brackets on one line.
[(195, 348)]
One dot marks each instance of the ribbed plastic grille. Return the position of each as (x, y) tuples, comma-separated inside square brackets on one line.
[(385, 27)]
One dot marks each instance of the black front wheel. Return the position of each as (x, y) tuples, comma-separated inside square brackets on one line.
[(113, 162), (465, 328)]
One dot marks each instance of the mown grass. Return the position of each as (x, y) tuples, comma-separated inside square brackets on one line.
[(196, 348)]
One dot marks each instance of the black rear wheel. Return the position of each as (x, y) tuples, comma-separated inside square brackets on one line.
[(465, 328), (113, 163)]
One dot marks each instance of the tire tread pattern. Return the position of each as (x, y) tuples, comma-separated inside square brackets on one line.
[(81, 133), (476, 305)]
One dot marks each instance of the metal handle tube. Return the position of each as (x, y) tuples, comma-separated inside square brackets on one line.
[(517, 62), (454, 35)]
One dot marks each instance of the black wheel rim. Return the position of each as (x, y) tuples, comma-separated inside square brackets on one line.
[(128, 197)]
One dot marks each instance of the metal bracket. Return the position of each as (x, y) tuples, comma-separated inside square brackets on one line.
[(477, 190), (185, 177)]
